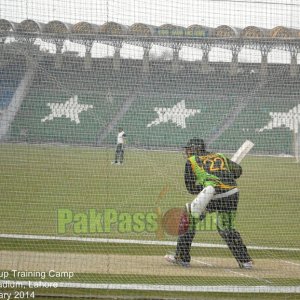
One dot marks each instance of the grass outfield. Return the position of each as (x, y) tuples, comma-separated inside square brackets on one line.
[(38, 181)]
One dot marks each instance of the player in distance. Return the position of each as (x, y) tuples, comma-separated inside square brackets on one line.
[(212, 177), (120, 149)]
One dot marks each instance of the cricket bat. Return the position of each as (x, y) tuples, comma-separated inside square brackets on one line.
[(242, 151)]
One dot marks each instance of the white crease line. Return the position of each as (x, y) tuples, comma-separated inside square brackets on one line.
[(235, 272), (252, 277), (203, 263), (162, 287), (124, 241), (289, 262)]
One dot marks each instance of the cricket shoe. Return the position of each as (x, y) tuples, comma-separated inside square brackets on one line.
[(246, 265), (176, 261)]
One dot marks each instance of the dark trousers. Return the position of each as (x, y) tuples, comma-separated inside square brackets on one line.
[(226, 230), (119, 156)]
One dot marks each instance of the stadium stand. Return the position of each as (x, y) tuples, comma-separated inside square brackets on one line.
[(220, 107), (11, 74)]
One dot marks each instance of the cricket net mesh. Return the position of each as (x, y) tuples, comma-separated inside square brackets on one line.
[(73, 72)]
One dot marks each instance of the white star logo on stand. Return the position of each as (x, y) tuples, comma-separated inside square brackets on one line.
[(177, 114), (290, 119), (70, 109)]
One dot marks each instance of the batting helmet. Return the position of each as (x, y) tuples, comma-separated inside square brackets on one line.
[(196, 146)]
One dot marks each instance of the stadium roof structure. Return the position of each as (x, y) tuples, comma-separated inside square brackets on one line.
[(196, 30), (29, 30), (82, 29), (284, 32), (5, 28), (62, 30), (255, 32), (166, 35), (58, 28), (141, 29), (56, 32), (113, 28), (171, 30), (225, 31)]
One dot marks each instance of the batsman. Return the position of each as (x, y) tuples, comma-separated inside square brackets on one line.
[(212, 177)]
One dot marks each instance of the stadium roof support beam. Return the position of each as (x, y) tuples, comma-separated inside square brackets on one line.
[(206, 48), (235, 50), (29, 31), (82, 30), (88, 55), (176, 46), (265, 50), (166, 35), (139, 33), (58, 56), (294, 50), (234, 62), (146, 60), (88, 61), (6, 27), (57, 32), (175, 61), (117, 58)]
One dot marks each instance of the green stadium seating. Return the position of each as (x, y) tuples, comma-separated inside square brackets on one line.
[(216, 101)]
